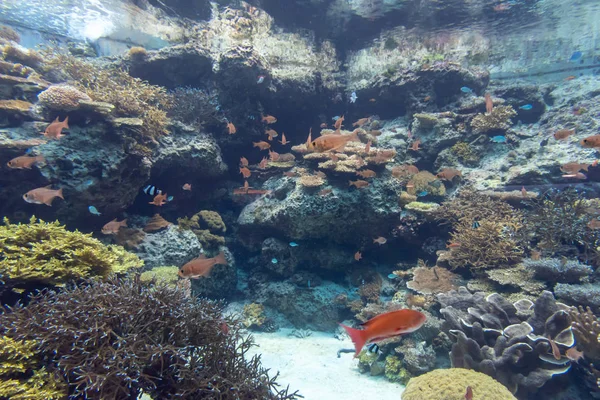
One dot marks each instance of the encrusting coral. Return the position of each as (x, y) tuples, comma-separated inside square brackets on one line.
[(451, 384), (497, 120), (115, 339), (46, 253), (62, 98), (254, 315), (207, 226), (165, 274)]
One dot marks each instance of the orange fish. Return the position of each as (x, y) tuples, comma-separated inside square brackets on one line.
[(367, 173), (257, 191), (273, 156), (246, 185), (570, 78), (591, 141), (338, 123), (536, 255), (271, 133), (372, 100), (448, 174), (574, 355), (427, 98), (415, 145), (563, 134), (357, 256), (325, 192), (201, 266), (54, 130), (112, 227), (333, 142), (283, 140), (380, 240), (523, 191), (358, 183), (231, 128), (159, 200), (384, 326), (578, 175), (263, 163), (187, 186), (290, 174), (594, 224), (43, 195), (243, 162), (489, 104), (469, 393), (453, 245), (574, 167), (361, 122), (368, 147), (555, 349), (269, 119), (245, 172), (261, 145), (375, 133), (25, 162)]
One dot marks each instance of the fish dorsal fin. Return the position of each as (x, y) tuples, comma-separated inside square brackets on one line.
[(201, 257), (56, 120), (373, 320), (48, 187)]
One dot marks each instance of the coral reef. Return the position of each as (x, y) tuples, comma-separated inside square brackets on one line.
[(499, 120), (116, 339), (166, 275), (206, 225), (451, 384), (47, 253), (558, 270), (426, 182), (586, 329), (62, 98), (433, 280), (170, 246), (465, 153), (254, 316)]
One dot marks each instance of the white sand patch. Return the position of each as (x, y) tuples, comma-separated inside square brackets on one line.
[(311, 366)]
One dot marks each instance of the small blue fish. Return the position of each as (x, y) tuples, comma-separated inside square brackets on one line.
[(422, 193), (353, 97), (392, 276), (252, 117), (308, 283), (465, 89), (293, 244), (274, 261), (476, 224), (93, 210), (170, 198), (29, 150), (261, 79), (576, 56), (89, 182), (336, 118), (526, 107), (499, 139)]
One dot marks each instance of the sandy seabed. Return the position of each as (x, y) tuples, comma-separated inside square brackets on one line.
[(310, 365)]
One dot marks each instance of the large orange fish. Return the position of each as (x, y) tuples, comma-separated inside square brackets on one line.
[(333, 142), (201, 266), (159, 200), (591, 141), (43, 195), (25, 162), (54, 130), (385, 326)]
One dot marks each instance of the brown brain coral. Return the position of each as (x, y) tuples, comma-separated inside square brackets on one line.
[(62, 98)]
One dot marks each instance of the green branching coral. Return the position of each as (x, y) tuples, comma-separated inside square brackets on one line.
[(166, 275), (497, 120), (207, 226), (21, 374), (47, 253)]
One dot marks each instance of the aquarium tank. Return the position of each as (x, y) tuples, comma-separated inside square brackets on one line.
[(300, 199)]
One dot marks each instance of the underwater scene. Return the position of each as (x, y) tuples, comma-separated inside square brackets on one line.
[(300, 199)]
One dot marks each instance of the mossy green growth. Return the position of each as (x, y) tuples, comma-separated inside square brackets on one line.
[(394, 370), (47, 253), (161, 275), (425, 181), (465, 153), (207, 226), (420, 206), (21, 374), (254, 315), (496, 121)]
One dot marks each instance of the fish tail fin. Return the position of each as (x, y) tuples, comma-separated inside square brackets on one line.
[(220, 259), (60, 193), (66, 122), (354, 136), (124, 222), (358, 338), (350, 183)]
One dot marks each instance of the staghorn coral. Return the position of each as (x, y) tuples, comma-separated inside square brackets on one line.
[(22, 375), (586, 329), (206, 225), (497, 120), (433, 280), (46, 253), (62, 98), (117, 338), (471, 206), (451, 384), (465, 153), (22, 55), (253, 315)]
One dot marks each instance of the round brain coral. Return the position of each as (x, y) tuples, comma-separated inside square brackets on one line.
[(62, 98), (451, 384)]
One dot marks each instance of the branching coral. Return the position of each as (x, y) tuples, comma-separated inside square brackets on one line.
[(465, 153), (471, 206), (207, 226), (116, 339), (586, 329), (41, 252), (497, 120)]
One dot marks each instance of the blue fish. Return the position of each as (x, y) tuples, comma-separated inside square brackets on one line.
[(465, 89), (170, 198), (476, 224), (498, 139), (392, 276), (274, 261), (151, 190), (422, 193), (526, 107), (576, 56), (261, 79), (93, 210), (29, 150), (353, 97), (293, 244)]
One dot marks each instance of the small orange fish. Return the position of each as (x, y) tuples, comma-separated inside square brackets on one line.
[(245, 172), (574, 167), (367, 173), (380, 240), (594, 224), (43, 195), (283, 140), (243, 162), (469, 393), (273, 156), (449, 174), (384, 326), (375, 133), (25, 162), (54, 130), (555, 349), (187, 186), (112, 227), (231, 128), (201, 266), (536, 255), (358, 256), (358, 183), (290, 174), (563, 134), (261, 145), (427, 98), (578, 175), (574, 355), (372, 100), (591, 141), (489, 104), (338, 123), (159, 200), (246, 185), (368, 147), (263, 163), (415, 145), (523, 191), (333, 142), (321, 174), (361, 122), (570, 78), (271, 133), (453, 245), (325, 192), (269, 119)]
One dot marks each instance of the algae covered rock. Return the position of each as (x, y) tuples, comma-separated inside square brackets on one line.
[(451, 384), (161, 275), (171, 246), (207, 226)]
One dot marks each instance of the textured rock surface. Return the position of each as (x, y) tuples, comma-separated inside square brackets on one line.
[(171, 246)]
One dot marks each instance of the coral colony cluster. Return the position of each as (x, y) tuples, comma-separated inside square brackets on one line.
[(142, 201)]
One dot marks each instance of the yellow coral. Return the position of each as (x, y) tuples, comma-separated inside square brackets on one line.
[(465, 153), (206, 225), (425, 181), (165, 274), (254, 315), (213, 221), (451, 384), (497, 120), (47, 253), (311, 181)]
